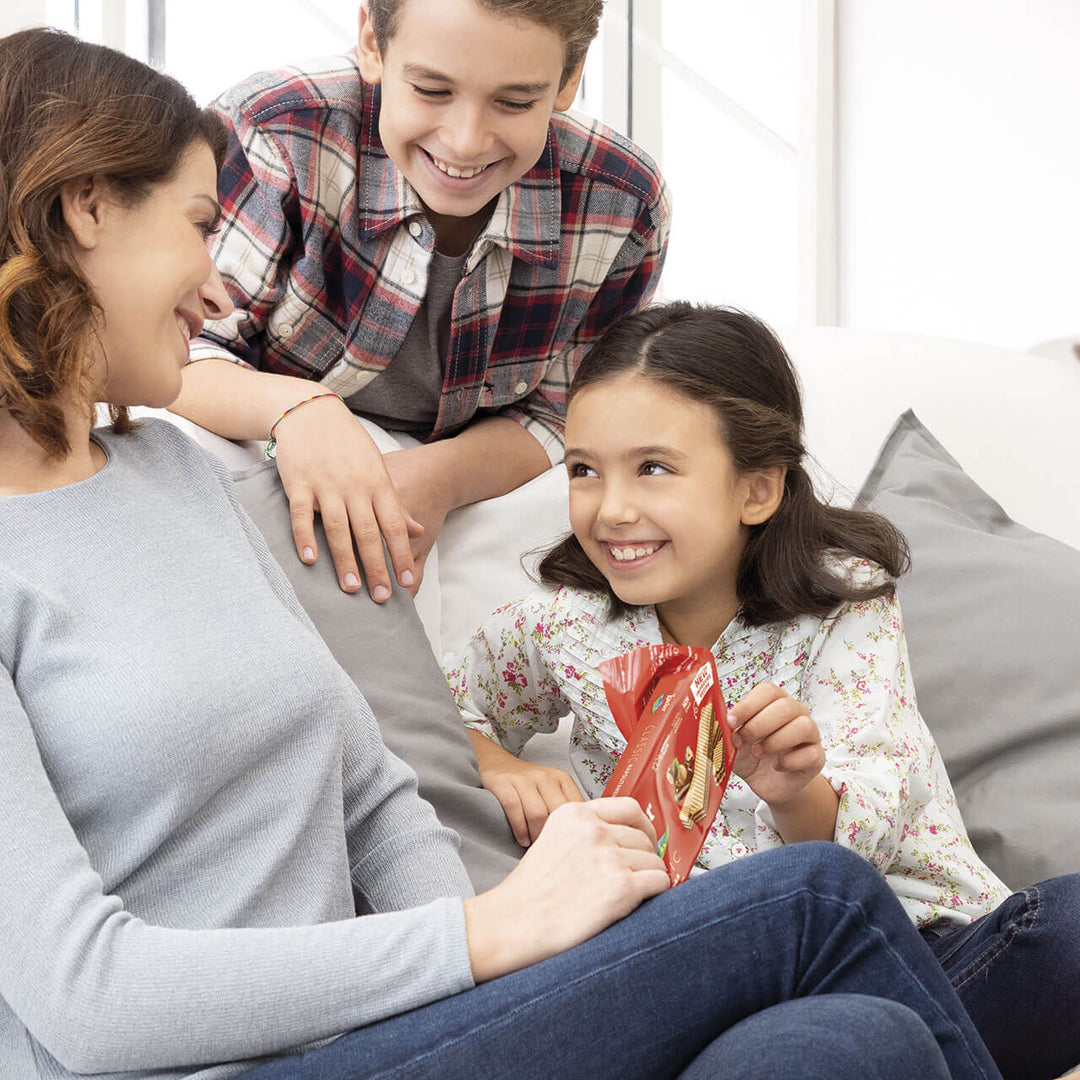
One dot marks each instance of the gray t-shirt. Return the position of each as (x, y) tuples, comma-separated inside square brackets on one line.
[(405, 396), (194, 798)]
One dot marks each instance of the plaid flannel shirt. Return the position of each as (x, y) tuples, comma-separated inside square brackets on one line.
[(325, 250)]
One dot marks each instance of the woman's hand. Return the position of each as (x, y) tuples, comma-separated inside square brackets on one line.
[(328, 463), (779, 745), (528, 793), (592, 865)]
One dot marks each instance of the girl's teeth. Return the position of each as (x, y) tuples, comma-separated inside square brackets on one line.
[(628, 554)]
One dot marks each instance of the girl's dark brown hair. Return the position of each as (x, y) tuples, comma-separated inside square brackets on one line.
[(734, 363), (70, 109), (575, 21)]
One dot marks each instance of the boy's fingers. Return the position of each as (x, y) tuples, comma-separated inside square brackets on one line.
[(369, 546), (394, 526), (302, 519)]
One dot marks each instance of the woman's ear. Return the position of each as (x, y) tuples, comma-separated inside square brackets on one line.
[(370, 59), (764, 493), (83, 204)]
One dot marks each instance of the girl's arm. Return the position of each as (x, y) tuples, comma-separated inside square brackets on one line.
[(507, 692)]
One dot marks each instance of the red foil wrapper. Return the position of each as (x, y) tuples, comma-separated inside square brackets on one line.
[(667, 702)]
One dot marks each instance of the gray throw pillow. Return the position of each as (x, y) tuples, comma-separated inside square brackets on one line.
[(992, 614), (387, 654)]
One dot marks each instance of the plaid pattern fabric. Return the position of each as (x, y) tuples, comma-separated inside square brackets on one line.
[(325, 250)]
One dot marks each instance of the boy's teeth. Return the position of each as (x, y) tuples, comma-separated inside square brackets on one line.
[(452, 170)]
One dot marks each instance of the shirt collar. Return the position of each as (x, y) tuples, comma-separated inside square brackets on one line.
[(527, 215)]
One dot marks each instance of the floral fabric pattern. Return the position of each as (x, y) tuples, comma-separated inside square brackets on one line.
[(535, 660)]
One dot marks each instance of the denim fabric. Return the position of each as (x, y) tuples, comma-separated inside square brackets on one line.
[(651, 993), (838, 1036), (1017, 972)]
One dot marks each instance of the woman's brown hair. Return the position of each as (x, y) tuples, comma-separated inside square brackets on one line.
[(70, 109), (734, 363), (575, 21)]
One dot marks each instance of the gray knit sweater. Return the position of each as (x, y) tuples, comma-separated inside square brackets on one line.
[(194, 798)]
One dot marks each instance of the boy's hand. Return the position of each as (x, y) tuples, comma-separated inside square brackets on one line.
[(528, 793), (423, 500), (779, 745), (328, 463)]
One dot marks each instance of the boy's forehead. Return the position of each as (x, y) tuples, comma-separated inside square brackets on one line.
[(437, 37)]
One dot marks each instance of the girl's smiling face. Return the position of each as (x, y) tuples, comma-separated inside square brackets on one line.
[(655, 499)]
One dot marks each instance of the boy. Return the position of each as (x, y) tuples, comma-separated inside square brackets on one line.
[(416, 227)]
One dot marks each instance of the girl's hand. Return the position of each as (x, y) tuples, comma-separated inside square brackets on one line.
[(528, 793), (779, 746), (593, 864), (328, 463)]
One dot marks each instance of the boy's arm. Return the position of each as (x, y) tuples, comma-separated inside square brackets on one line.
[(629, 285)]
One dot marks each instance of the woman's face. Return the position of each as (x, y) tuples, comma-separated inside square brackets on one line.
[(155, 281)]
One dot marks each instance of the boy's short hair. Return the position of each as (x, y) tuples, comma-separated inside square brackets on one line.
[(575, 21)]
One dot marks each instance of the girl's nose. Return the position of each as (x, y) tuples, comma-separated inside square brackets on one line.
[(215, 300), (616, 506)]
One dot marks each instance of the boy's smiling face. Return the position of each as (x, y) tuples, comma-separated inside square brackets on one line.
[(466, 99)]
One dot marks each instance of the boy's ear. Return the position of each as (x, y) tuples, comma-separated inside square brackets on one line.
[(764, 494), (371, 66), (568, 91), (83, 202)]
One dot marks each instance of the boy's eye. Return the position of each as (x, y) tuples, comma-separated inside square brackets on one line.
[(517, 106), (427, 92), (578, 470), (653, 468)]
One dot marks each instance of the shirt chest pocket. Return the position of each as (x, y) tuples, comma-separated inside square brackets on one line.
[(304, 333)]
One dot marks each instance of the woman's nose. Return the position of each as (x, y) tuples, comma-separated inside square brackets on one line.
[(215, 299)]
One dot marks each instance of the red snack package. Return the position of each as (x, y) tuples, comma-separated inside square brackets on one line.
[(667, 702)]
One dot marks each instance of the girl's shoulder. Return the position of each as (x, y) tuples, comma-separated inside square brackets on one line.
[(855, 571)]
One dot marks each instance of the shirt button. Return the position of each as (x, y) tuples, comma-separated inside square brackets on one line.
[(521, 388), (408, 277), (285, 329), (415, 228), (739, 850)]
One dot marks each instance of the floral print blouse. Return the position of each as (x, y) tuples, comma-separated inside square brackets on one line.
[(535, 660)]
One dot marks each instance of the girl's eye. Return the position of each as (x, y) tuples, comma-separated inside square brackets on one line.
[(654, 468), (425, 91), (579, 470), (208, 228)]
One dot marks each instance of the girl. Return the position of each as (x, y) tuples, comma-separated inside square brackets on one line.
[(694, 521), (195, 803)]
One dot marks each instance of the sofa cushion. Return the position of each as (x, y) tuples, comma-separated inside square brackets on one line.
[(991, 614)]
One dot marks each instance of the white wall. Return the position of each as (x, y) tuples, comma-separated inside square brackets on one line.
[(959, 167)]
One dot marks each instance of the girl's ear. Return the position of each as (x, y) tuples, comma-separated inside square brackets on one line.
[(371, 67), (83, 202), (765, 490)]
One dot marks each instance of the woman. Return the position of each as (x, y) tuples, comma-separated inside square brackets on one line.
[(195, 804)]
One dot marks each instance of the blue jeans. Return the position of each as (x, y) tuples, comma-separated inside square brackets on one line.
[(1017, 972), (688, 984)]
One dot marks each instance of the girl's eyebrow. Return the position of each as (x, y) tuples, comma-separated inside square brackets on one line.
[(418, 71), (633, 453)]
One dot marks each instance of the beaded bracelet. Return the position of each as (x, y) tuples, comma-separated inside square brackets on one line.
[(271, 442)]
